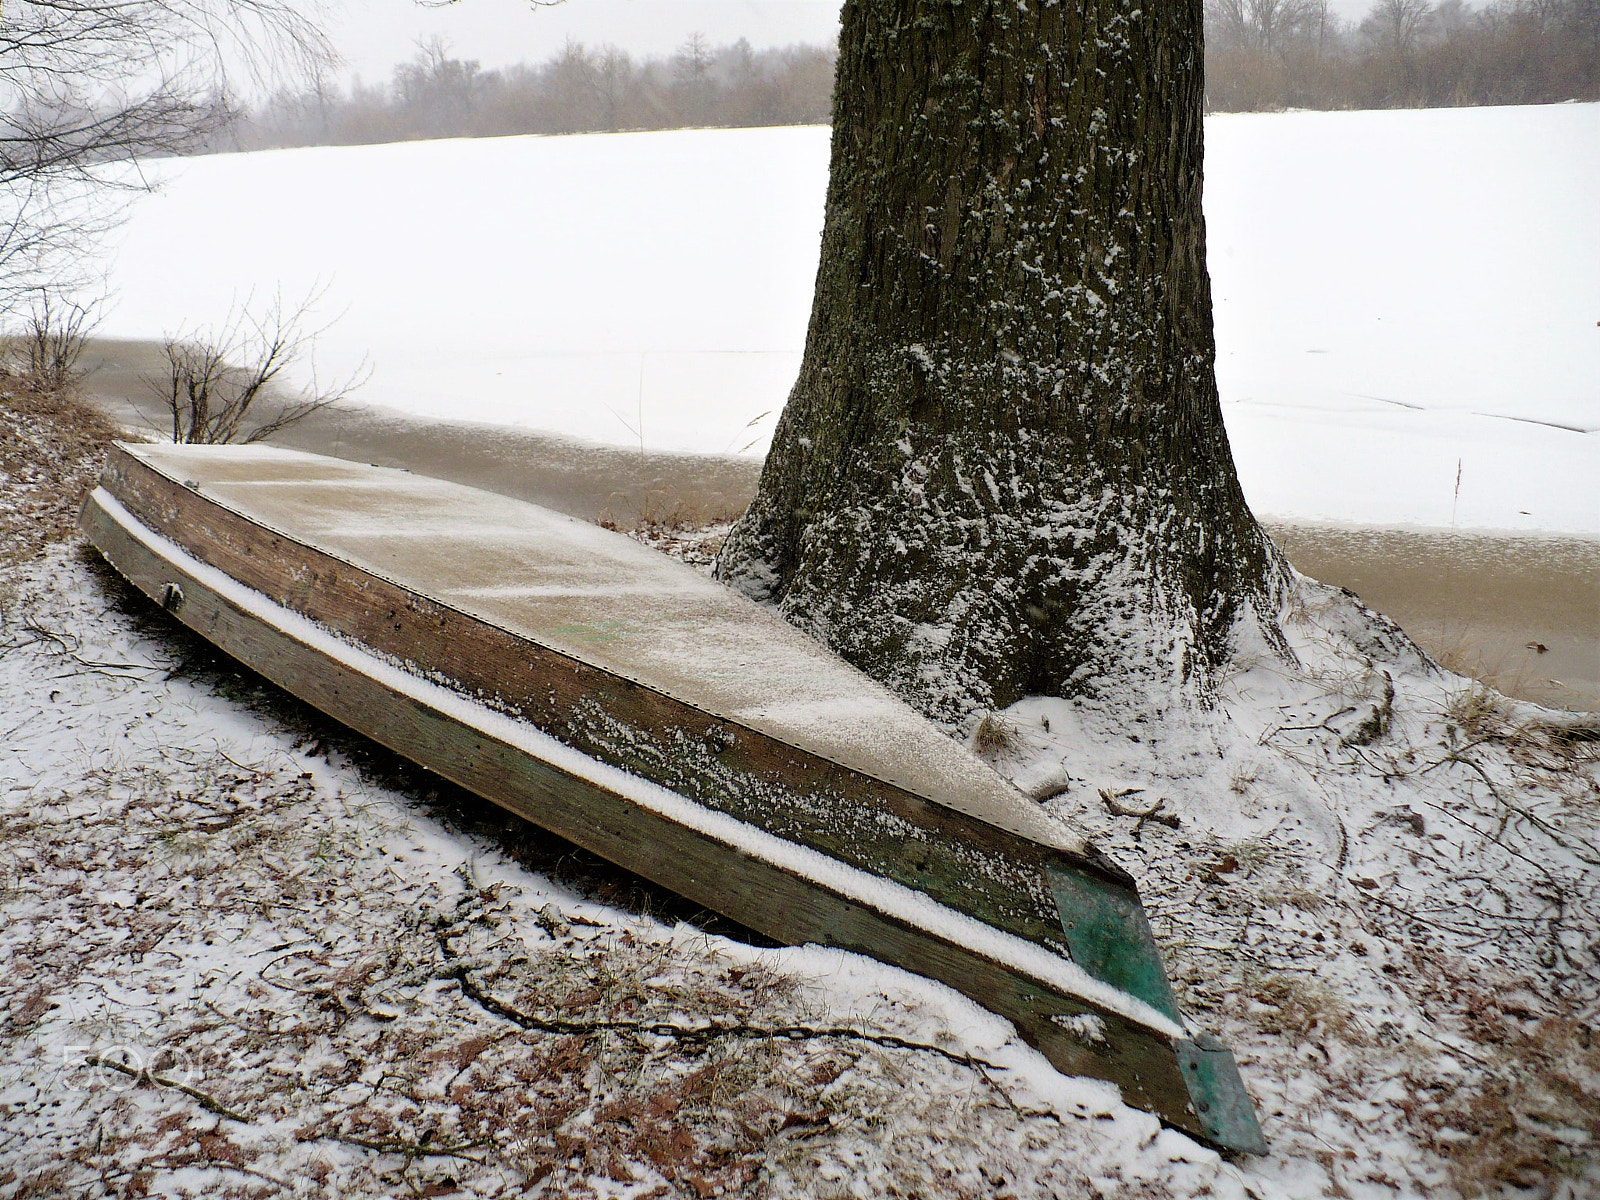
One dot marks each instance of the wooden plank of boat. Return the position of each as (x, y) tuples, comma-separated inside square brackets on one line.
[(637, 708)]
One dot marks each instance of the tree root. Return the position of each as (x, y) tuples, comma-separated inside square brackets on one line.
[(410, 1150)]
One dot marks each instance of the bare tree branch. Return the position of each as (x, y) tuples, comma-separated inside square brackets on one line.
[(55, 332), (87, 86)]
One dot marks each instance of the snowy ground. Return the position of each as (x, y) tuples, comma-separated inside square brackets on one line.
[(247, 954), (1408, 302), (324, 987)]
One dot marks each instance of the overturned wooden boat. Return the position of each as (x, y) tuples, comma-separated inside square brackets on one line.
[(637, 708)]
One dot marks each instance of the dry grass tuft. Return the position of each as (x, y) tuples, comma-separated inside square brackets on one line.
[(1296, 896), (1243, 777), (678, 532), (995, 736), (1554, 745), (1535, 1122), (688, 542), (1478, 710), (1307, 1010)]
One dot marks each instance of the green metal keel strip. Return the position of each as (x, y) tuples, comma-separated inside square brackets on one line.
[(1110, 938)]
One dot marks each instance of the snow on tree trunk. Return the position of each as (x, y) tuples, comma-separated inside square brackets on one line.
[(1003, 470)]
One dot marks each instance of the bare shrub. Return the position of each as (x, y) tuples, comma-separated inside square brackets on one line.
[(222, 386), (56, 330)]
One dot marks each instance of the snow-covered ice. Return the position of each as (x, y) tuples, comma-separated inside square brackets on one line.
[(1407, 302)]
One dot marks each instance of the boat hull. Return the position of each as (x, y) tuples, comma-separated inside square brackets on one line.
[(346, 640)]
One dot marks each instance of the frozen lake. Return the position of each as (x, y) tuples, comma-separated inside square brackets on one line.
[(1407, 302)]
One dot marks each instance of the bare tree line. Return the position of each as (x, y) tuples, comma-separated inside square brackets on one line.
[(579, 90), (1260, 54), (1274, 54)]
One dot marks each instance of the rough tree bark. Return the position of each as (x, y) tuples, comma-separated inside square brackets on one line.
[(1002, 470)]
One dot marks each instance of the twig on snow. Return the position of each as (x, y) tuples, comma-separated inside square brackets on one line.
[(60, 639), (259, 772), (400, 1146), (1153, 813), (209, 1103)]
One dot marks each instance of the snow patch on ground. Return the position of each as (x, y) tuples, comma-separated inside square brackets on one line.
[(240, 963), (1379, 882)]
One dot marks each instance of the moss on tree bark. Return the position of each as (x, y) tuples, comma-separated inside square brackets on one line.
[(1003, 470)]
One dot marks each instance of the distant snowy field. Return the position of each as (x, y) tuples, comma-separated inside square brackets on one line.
[(1402, 298)]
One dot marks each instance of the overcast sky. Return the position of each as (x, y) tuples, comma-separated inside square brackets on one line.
[(374, 35)]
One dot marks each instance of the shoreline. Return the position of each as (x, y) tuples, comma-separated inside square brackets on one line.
[(1481, 602)]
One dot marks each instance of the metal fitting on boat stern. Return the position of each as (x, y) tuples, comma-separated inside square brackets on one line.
[(1109, 936)]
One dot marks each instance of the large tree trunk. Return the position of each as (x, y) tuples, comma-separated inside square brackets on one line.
[(1003, 469)]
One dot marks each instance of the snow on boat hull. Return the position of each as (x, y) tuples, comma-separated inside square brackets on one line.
[(637, 709)]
